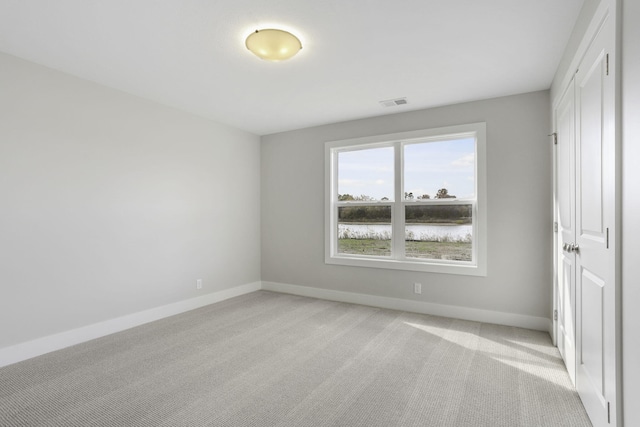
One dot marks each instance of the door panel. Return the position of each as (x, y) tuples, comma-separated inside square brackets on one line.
[(566, 316), (590, 90), (592, 344)]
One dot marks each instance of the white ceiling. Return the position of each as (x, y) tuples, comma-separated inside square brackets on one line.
[(190, 54)]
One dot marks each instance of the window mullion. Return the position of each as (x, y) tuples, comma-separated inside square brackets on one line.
[(397, 218)]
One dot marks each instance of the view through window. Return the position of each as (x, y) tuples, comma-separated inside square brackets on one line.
[(413, 200)]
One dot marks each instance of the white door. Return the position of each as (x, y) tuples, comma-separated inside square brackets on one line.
[(595, 271), (565, 215)]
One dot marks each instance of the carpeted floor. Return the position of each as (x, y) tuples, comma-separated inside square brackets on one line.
[(269, 359)]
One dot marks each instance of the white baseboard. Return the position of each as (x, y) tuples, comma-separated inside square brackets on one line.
[(465, 313), (37, 347)]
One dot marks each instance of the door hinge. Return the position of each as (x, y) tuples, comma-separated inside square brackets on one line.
[(607, 237), (607, 64), (555, 314), (555, 138), (555, 227)]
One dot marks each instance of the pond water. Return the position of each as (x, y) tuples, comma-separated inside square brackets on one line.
[(427, 232)]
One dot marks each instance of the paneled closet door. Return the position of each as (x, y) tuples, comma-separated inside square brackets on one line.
[(585, 191), (595, 199)]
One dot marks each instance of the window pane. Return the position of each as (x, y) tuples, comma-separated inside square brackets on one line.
[(364, 230), (366, 174), (441, 169), (439, 232)]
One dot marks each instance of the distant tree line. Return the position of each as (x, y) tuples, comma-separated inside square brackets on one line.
[(364, 214), (458, 214), (442, 193)]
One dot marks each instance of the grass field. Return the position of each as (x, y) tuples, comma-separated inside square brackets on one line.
[(460, 251)]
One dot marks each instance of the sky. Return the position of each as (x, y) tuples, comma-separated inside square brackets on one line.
[(428, 166)]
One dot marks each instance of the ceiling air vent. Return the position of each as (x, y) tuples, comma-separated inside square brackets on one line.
[(393, 102)]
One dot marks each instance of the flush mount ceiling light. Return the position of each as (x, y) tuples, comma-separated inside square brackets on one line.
[(273, 45)]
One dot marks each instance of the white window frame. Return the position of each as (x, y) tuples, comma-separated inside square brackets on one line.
[(398, 261)]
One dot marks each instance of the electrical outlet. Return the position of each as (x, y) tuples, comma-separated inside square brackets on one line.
[(417, 288), (199, 284)]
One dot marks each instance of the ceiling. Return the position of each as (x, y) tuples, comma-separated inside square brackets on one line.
[(190, 54)]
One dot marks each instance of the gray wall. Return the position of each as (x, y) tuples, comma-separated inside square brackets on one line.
[(519, 209), (111, 204), (631, 211)]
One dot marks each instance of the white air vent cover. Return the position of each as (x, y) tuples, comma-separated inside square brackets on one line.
[(393, 102)]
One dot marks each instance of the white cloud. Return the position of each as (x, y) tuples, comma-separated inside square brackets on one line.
[(352, 182), (465, 161)]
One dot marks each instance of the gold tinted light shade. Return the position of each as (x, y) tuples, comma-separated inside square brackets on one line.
[(273, 45)]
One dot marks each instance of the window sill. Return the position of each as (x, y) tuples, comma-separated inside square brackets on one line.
[(465, 269)]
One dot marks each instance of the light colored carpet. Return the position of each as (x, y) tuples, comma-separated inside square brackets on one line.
[(269, 359)]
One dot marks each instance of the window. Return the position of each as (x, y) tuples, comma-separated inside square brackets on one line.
[(410, 201)]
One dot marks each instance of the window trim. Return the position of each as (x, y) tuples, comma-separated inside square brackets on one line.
[(399, 140)]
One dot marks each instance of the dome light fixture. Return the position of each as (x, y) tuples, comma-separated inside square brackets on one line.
[(273, 45)]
